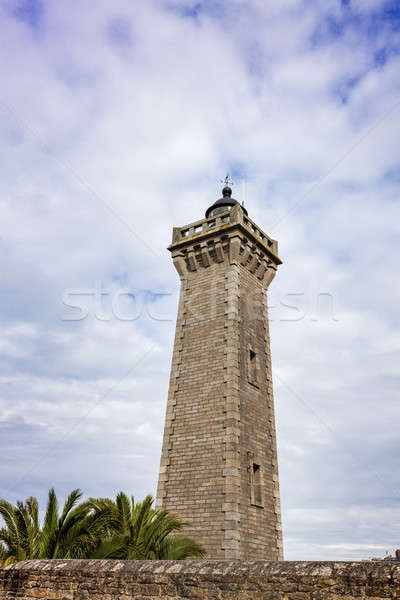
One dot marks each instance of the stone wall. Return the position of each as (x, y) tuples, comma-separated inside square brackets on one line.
[(208, 580)]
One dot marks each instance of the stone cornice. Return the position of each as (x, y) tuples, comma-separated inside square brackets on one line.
[(230, 238), (224, 224)]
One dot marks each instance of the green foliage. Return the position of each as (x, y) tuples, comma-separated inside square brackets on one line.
[(139, 532), (19, 539), (98, 528)]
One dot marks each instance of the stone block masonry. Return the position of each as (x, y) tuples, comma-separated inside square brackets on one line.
[(195, 579), (218, 467)]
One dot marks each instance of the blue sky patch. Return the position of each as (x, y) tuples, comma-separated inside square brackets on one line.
[(29, 11), (119, 32), (391, 14), (346, 87), (190, 11), (369, 24), (393, 174), (211, 8)]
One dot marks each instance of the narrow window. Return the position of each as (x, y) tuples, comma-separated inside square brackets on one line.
[(211, 223), (185, 233), (198, 228), (252, 367), (256, 485)]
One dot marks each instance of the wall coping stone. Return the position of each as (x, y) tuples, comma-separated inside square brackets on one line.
[(208, 579), (217, 568)]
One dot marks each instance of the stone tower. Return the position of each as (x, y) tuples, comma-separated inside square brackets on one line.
[(219, 462)]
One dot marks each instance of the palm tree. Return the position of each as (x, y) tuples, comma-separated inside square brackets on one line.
[(136, 531), (19, 540), (98, 528), (70, 534)]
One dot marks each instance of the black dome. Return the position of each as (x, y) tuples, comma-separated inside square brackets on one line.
[(223, 203)]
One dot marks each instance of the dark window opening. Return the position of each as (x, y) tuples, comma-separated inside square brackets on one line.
[(252, 365), (257, 496)]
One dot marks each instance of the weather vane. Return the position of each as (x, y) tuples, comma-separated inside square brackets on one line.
[(227, 180)]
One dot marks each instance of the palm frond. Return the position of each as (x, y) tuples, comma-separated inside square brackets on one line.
[(49, 537), (7, 512), (179, 547), (69, 504), (124, 512)]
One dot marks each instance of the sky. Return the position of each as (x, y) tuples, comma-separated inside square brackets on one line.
[(117, 122)]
